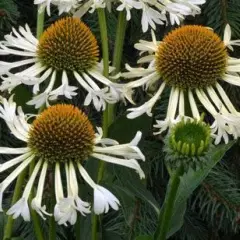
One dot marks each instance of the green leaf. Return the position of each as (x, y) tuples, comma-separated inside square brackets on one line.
[(189, 182), (129, 183), (144, 237), (21, 96), (124, 129), (85, 227)]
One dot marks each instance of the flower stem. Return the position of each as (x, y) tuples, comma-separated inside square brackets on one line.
[(105, 124), (40, 22), (104, 39), (35, 218), (78, 227), (94, 226), (167, 209), (119, 41), (117, 56), (16, 195), (52, 224)]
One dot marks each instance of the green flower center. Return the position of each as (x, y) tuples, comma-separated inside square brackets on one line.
[(62, 133), (191, 57), (190, 138), (68, 44)]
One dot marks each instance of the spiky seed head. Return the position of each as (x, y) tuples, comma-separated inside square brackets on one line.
[(191, 57), (62, 133), (69, 45)]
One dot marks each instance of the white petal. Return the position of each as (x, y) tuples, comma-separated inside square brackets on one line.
[(6, 150), (41, 210), (147, 106), (181, 106), (102, 199), (14, 161), (37, 201), (131, 163), (82, 207), (30, 182), (98, 76), (226, 99), (86, 176), (227, 35), (193, 105), (58, 183), (129, 150), (235, 80), (8, 180), (20, 208), (65, 211)]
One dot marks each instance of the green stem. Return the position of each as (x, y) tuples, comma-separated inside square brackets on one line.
[(40, 22), (52, 229), (78, 227), (52, 235), (94, 226), (117, 56), (104, 39), (35, 217), (167, 209), (16, 195), (119, 41)]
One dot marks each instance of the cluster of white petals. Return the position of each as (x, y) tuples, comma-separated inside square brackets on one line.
[(62, 5), (213, 98), (67, 206), (153, 11)]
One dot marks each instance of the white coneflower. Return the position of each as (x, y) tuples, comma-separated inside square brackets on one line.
[(193, 61), (61, 137), (67, 50), (153, 11)]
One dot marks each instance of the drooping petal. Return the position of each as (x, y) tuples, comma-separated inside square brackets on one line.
[(58, 183), (131, 163), (82, 206), (146, 107), (20, 208), (37, 200), (103, 198)]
